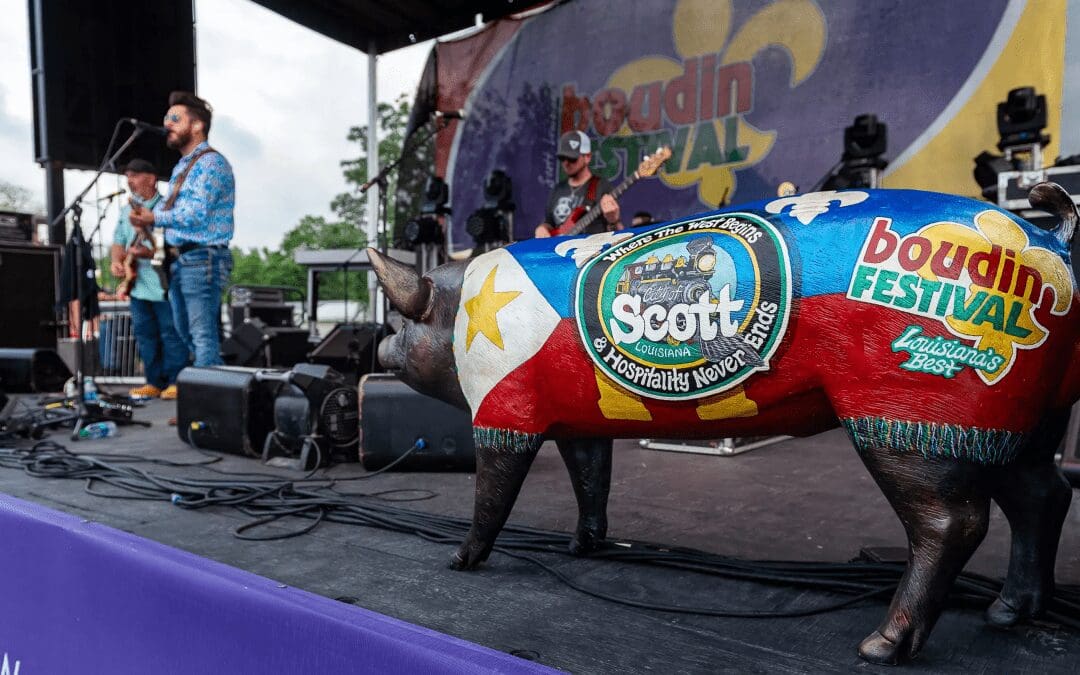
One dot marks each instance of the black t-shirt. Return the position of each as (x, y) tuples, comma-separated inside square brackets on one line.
[(564, 199)]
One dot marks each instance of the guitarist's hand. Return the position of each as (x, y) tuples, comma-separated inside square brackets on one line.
[(542, 231), (610, 208), (139, 251), (141, 217), (117, 269)]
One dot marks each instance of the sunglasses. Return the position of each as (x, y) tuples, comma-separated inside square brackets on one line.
[(174, 118)]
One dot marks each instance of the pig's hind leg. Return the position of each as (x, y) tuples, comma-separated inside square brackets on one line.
[(1035, 498), (588, 461), (503, 458), (944, 508)]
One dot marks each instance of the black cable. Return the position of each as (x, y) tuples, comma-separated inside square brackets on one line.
[(269, 499)]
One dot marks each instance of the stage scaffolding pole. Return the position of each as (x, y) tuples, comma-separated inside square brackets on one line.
[(375, 306)]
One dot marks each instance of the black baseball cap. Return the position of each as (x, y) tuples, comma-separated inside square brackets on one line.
[(574, 144), (139, 166)]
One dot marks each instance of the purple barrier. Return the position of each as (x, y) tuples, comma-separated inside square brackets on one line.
[(77, 596)]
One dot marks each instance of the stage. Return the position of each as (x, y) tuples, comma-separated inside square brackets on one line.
[(799, 500)]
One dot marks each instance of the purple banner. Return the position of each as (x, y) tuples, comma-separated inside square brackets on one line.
[(747, 94), (79, 597)]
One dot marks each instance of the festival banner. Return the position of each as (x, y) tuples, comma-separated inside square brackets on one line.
[(747, 94)]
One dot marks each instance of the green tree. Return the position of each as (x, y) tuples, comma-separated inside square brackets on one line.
[(265, 267), (16, 198)]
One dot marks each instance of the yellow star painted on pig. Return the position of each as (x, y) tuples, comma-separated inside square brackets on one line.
[(482, 309), (994, 227), (702, 27)]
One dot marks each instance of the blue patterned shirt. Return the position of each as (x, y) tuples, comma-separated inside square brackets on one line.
[(203, 213)]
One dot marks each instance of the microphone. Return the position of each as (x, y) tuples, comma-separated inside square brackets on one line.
[(449, 114), (146, 126), (118, 193)]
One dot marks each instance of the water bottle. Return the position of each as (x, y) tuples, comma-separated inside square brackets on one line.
[(90, 390), (98, 430)]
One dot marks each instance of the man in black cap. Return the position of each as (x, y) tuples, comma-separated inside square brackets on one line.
[(161, 349), (580, 191)]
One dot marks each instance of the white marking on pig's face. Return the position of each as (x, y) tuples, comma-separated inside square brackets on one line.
[(585, 249), (811, 205)]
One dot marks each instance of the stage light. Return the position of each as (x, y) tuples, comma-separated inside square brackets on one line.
[(861, 162), (423, 230), (1021, 117), (492, 225), (436, 195)]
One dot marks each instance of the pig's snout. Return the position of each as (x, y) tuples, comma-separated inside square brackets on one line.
[(390, 353)]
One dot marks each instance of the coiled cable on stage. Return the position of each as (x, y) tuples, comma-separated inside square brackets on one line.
[(268, 499)]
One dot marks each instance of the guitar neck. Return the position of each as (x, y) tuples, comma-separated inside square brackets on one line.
[(593, 213)]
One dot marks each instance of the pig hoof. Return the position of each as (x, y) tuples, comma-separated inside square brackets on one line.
[(876, 648), (584, 544), (1005, 614), (465, 559)]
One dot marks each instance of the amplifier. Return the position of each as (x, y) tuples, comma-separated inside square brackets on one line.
[(224, 408), (32, 371), (351, 349), (253, 344), (393, 417), (1013, 186)]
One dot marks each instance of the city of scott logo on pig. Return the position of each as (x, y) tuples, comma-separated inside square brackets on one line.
[(983, 284), (689, 309)]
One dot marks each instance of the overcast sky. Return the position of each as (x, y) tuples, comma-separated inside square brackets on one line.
[(284, 98)]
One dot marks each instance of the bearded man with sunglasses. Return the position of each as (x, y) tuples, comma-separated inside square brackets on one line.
[(198, 221), (580, 189)]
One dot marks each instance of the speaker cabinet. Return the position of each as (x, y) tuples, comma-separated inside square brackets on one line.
[(350, 348), (94, 63), (224, 408), (393, 417), (32, 371), (28, 279), (255, 344)]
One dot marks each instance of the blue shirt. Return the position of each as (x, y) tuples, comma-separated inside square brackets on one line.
[(203, 212), (147, 282)]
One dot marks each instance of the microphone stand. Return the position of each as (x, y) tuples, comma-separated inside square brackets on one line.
[(382, 180), (85, 415)]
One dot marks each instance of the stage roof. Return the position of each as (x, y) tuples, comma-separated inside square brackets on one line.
[(391, 25)]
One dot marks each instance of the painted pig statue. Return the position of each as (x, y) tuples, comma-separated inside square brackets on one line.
[(939, 331)]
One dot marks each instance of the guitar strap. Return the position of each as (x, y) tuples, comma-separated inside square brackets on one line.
[(163, 271), (590, 194), (171, 201)]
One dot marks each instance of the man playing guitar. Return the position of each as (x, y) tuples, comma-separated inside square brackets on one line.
[(161, 349), (580, 191)]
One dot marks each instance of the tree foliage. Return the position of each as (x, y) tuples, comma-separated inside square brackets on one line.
[(16, 198), (346, 229)]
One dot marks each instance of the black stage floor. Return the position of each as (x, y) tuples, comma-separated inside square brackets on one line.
[(807, 499)]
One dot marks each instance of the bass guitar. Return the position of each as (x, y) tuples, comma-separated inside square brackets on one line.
[(582, 217)]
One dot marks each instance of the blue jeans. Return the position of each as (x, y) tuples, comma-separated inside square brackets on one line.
[(162, 351), (199, 277)]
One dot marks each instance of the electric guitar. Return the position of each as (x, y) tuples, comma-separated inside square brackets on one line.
[(162, 260), (582, 217)]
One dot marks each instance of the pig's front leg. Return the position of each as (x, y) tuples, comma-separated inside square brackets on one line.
[(588, 461), (502, 460)]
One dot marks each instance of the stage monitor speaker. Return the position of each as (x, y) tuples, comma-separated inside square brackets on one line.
[(254, 344), (29, 312), (93, 63), (224, 408), (32, 371), (393, 417), (351, 349)]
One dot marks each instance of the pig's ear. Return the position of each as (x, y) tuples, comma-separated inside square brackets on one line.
[(406, 289)]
